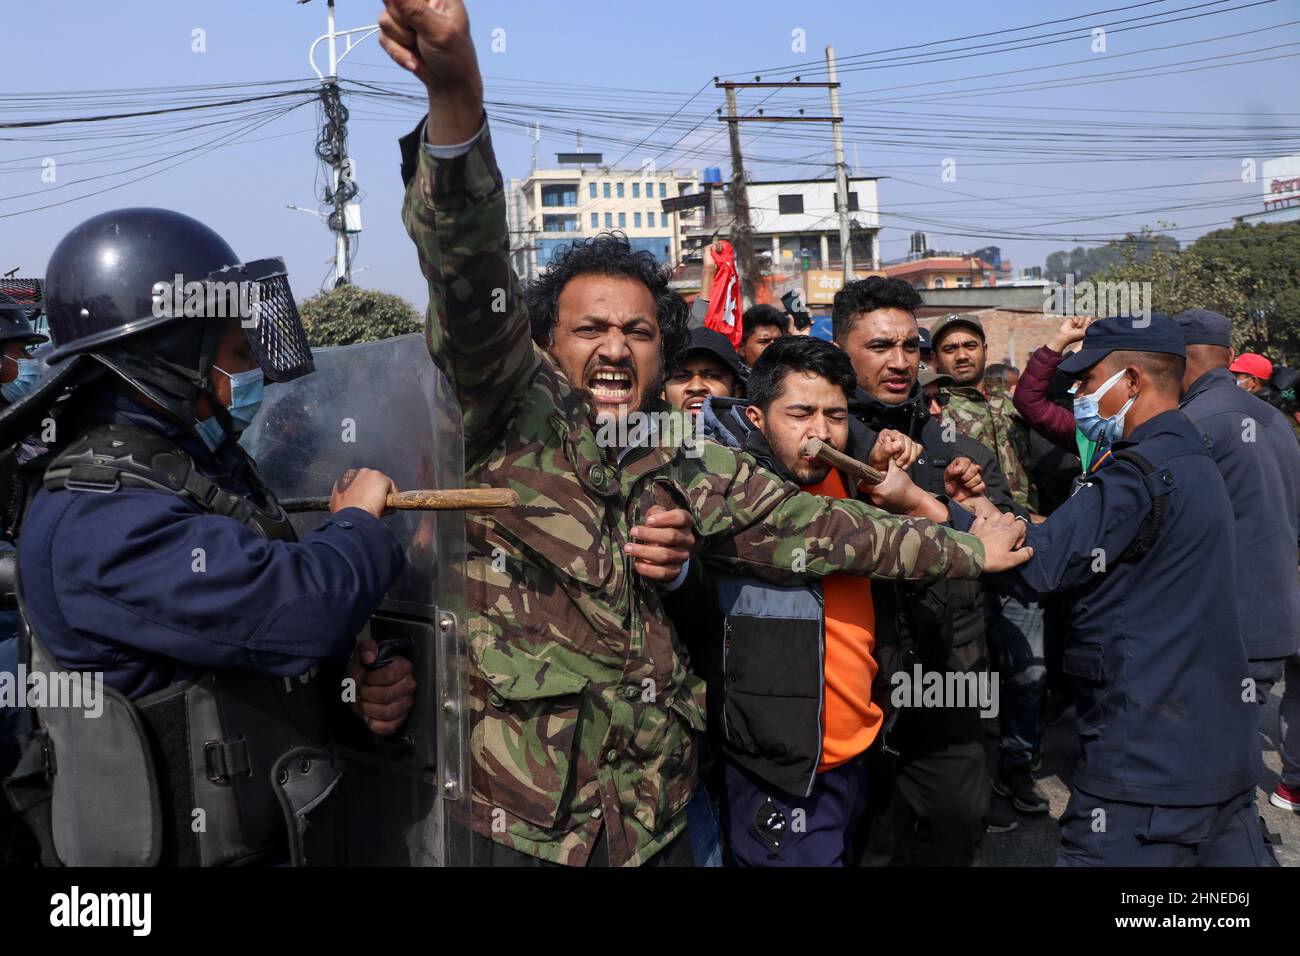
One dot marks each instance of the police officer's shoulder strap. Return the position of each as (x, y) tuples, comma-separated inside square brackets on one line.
[(110, 457), (1146, 538), (17, 487)]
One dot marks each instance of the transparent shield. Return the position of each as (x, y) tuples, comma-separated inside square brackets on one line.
[(385, 405)]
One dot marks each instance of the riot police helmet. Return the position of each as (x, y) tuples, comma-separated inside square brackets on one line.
[(146, 294)]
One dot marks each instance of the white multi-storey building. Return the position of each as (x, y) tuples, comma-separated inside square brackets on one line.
[(797, 220), (553, 207)]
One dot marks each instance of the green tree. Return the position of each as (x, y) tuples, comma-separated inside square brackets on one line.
[(1251, 274), (349, 314), (1267, 256), (1086, 263), (1178, 278)]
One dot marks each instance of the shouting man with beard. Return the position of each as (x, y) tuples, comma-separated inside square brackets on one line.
[(583, 712)]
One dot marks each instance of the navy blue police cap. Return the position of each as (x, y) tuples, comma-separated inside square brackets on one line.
[(1159, 333), (1203, 327)]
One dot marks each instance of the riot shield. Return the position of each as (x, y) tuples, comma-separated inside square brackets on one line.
[(385, 405)]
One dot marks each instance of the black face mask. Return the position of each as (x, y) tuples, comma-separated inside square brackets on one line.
[(881, 414)]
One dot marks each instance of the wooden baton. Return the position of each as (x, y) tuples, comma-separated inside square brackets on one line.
[(816, 448), (430, 499)]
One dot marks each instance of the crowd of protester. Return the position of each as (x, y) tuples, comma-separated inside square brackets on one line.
[(938, 780), (829, 631)]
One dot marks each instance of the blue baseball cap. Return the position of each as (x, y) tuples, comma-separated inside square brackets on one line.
[(1159, 333), (1203, 327)]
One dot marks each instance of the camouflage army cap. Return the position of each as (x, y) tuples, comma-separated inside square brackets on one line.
[(956, 320), (928, 376)]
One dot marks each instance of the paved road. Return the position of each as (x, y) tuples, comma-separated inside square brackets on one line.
[(1034, 841)]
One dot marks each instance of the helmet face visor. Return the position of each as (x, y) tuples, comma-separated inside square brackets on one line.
[(20, 305), (260, 296), (26, 293)]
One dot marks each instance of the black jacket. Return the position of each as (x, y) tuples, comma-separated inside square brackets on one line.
[(764, 669), (940, 448), (957, 643)]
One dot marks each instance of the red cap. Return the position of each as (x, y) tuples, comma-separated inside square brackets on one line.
[(1250, 363)]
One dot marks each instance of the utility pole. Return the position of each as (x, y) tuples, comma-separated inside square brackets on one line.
[(841, 169), (742, 230), (332, 144), (333, 147)]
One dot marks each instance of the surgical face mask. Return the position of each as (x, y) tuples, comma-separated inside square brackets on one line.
[(245, 396), (29, 373), (211, 432), (1104, 431)]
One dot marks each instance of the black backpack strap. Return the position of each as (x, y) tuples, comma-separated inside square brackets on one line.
[(20, 477), (1146, 538), (110, 457)]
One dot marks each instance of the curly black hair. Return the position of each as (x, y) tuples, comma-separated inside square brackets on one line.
[(798, 353), (867, 295), (608, 254)]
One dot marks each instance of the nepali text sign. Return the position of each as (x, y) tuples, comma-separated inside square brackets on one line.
[(820, 285)]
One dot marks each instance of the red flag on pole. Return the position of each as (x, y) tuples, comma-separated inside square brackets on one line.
[(724, 298)]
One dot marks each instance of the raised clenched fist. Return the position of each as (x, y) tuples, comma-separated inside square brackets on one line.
[(431, 39)]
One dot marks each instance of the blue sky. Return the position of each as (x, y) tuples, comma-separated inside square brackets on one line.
[(1100, 157)]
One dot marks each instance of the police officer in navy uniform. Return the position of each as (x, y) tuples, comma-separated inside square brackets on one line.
[(1255, 449), (19, 372), (1141, 550), (151, 553)]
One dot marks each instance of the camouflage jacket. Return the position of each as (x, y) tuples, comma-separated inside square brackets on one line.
[(583, 714), (995, 423)]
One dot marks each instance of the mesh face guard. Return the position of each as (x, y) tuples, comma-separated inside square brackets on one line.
[(26, 292), (269, 317)]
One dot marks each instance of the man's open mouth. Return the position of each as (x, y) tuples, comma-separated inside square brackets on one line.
[(611, 386), (695, 404), (898, 384)]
